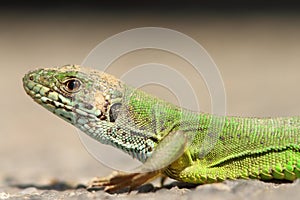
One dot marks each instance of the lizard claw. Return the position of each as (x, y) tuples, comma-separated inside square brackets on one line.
[(119, 181)]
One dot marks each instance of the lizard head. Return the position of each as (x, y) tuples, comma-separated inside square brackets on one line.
[(102, 106), (75, 93)]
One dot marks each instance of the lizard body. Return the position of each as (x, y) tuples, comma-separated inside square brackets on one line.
[(187, 146)]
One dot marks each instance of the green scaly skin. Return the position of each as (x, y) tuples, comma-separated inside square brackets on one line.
[(113, 113)]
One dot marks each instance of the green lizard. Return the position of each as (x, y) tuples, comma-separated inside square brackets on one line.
[(171, 142)]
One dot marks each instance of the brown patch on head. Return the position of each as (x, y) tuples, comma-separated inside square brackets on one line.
[(75, 68), (100, 101), (66, 68), (111, 81)]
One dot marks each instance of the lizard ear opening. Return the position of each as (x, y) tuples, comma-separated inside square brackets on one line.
[(114, 111)]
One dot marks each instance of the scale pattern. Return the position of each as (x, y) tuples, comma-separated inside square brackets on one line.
[(216, 148)]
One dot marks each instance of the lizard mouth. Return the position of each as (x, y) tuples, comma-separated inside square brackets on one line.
[(48, 98)]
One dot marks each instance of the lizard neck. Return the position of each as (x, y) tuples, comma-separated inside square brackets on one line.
[(136, 126), (130, 141)]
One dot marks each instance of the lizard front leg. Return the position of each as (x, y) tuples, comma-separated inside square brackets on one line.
[(166, 152)]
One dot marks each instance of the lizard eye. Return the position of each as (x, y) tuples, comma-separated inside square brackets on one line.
[(72, 85)]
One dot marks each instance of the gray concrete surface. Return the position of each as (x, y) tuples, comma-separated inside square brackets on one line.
[(258, 56)]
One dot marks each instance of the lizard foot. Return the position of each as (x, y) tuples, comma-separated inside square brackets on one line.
[(118, 181)]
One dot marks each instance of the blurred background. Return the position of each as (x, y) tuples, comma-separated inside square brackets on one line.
[(256, 47)]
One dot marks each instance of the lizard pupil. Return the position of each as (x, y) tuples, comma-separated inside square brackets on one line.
[(73, 85)]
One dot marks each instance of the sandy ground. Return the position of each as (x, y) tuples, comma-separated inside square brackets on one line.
[(258, 56)]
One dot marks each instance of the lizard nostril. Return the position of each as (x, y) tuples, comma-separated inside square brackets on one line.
[(31, 77)]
